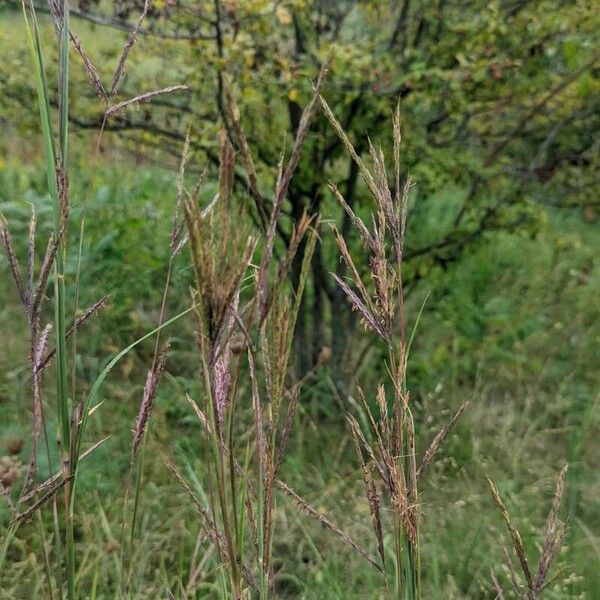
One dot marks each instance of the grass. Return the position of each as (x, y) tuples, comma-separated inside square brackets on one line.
[(202, 499), (514, 429)]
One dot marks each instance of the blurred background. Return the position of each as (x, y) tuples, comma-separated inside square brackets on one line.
[(500, 105)]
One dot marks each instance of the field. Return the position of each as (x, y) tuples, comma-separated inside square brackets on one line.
[(227, 462)]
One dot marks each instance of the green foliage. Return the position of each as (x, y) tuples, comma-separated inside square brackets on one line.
[(513, 326), (500, 108), (499, 101)]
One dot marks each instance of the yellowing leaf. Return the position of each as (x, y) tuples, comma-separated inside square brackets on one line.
[(284, 15)]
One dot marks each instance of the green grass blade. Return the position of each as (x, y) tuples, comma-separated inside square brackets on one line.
[(91, 399), (65, 441), (64, 86), (416, 325)]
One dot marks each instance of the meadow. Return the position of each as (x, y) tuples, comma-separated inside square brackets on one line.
[(188, 411)]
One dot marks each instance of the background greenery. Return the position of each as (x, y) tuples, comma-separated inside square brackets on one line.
[(500, 108)]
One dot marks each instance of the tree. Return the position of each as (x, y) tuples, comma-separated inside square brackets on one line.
[(499, 100)]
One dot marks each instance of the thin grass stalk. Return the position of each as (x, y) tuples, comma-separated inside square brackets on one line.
[(260, 462), (42, 534), (143, 425), (222, 489), (535, 583), (136, 501), (393, 450), (304, 506), (237, 518), (398, 563), (282, 319), (55, 171), (213, 236), (232, 481), (90, 69), (61, 328), (215, 444)]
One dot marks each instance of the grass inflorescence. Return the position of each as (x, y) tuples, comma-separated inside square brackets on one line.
[(244, 302)]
